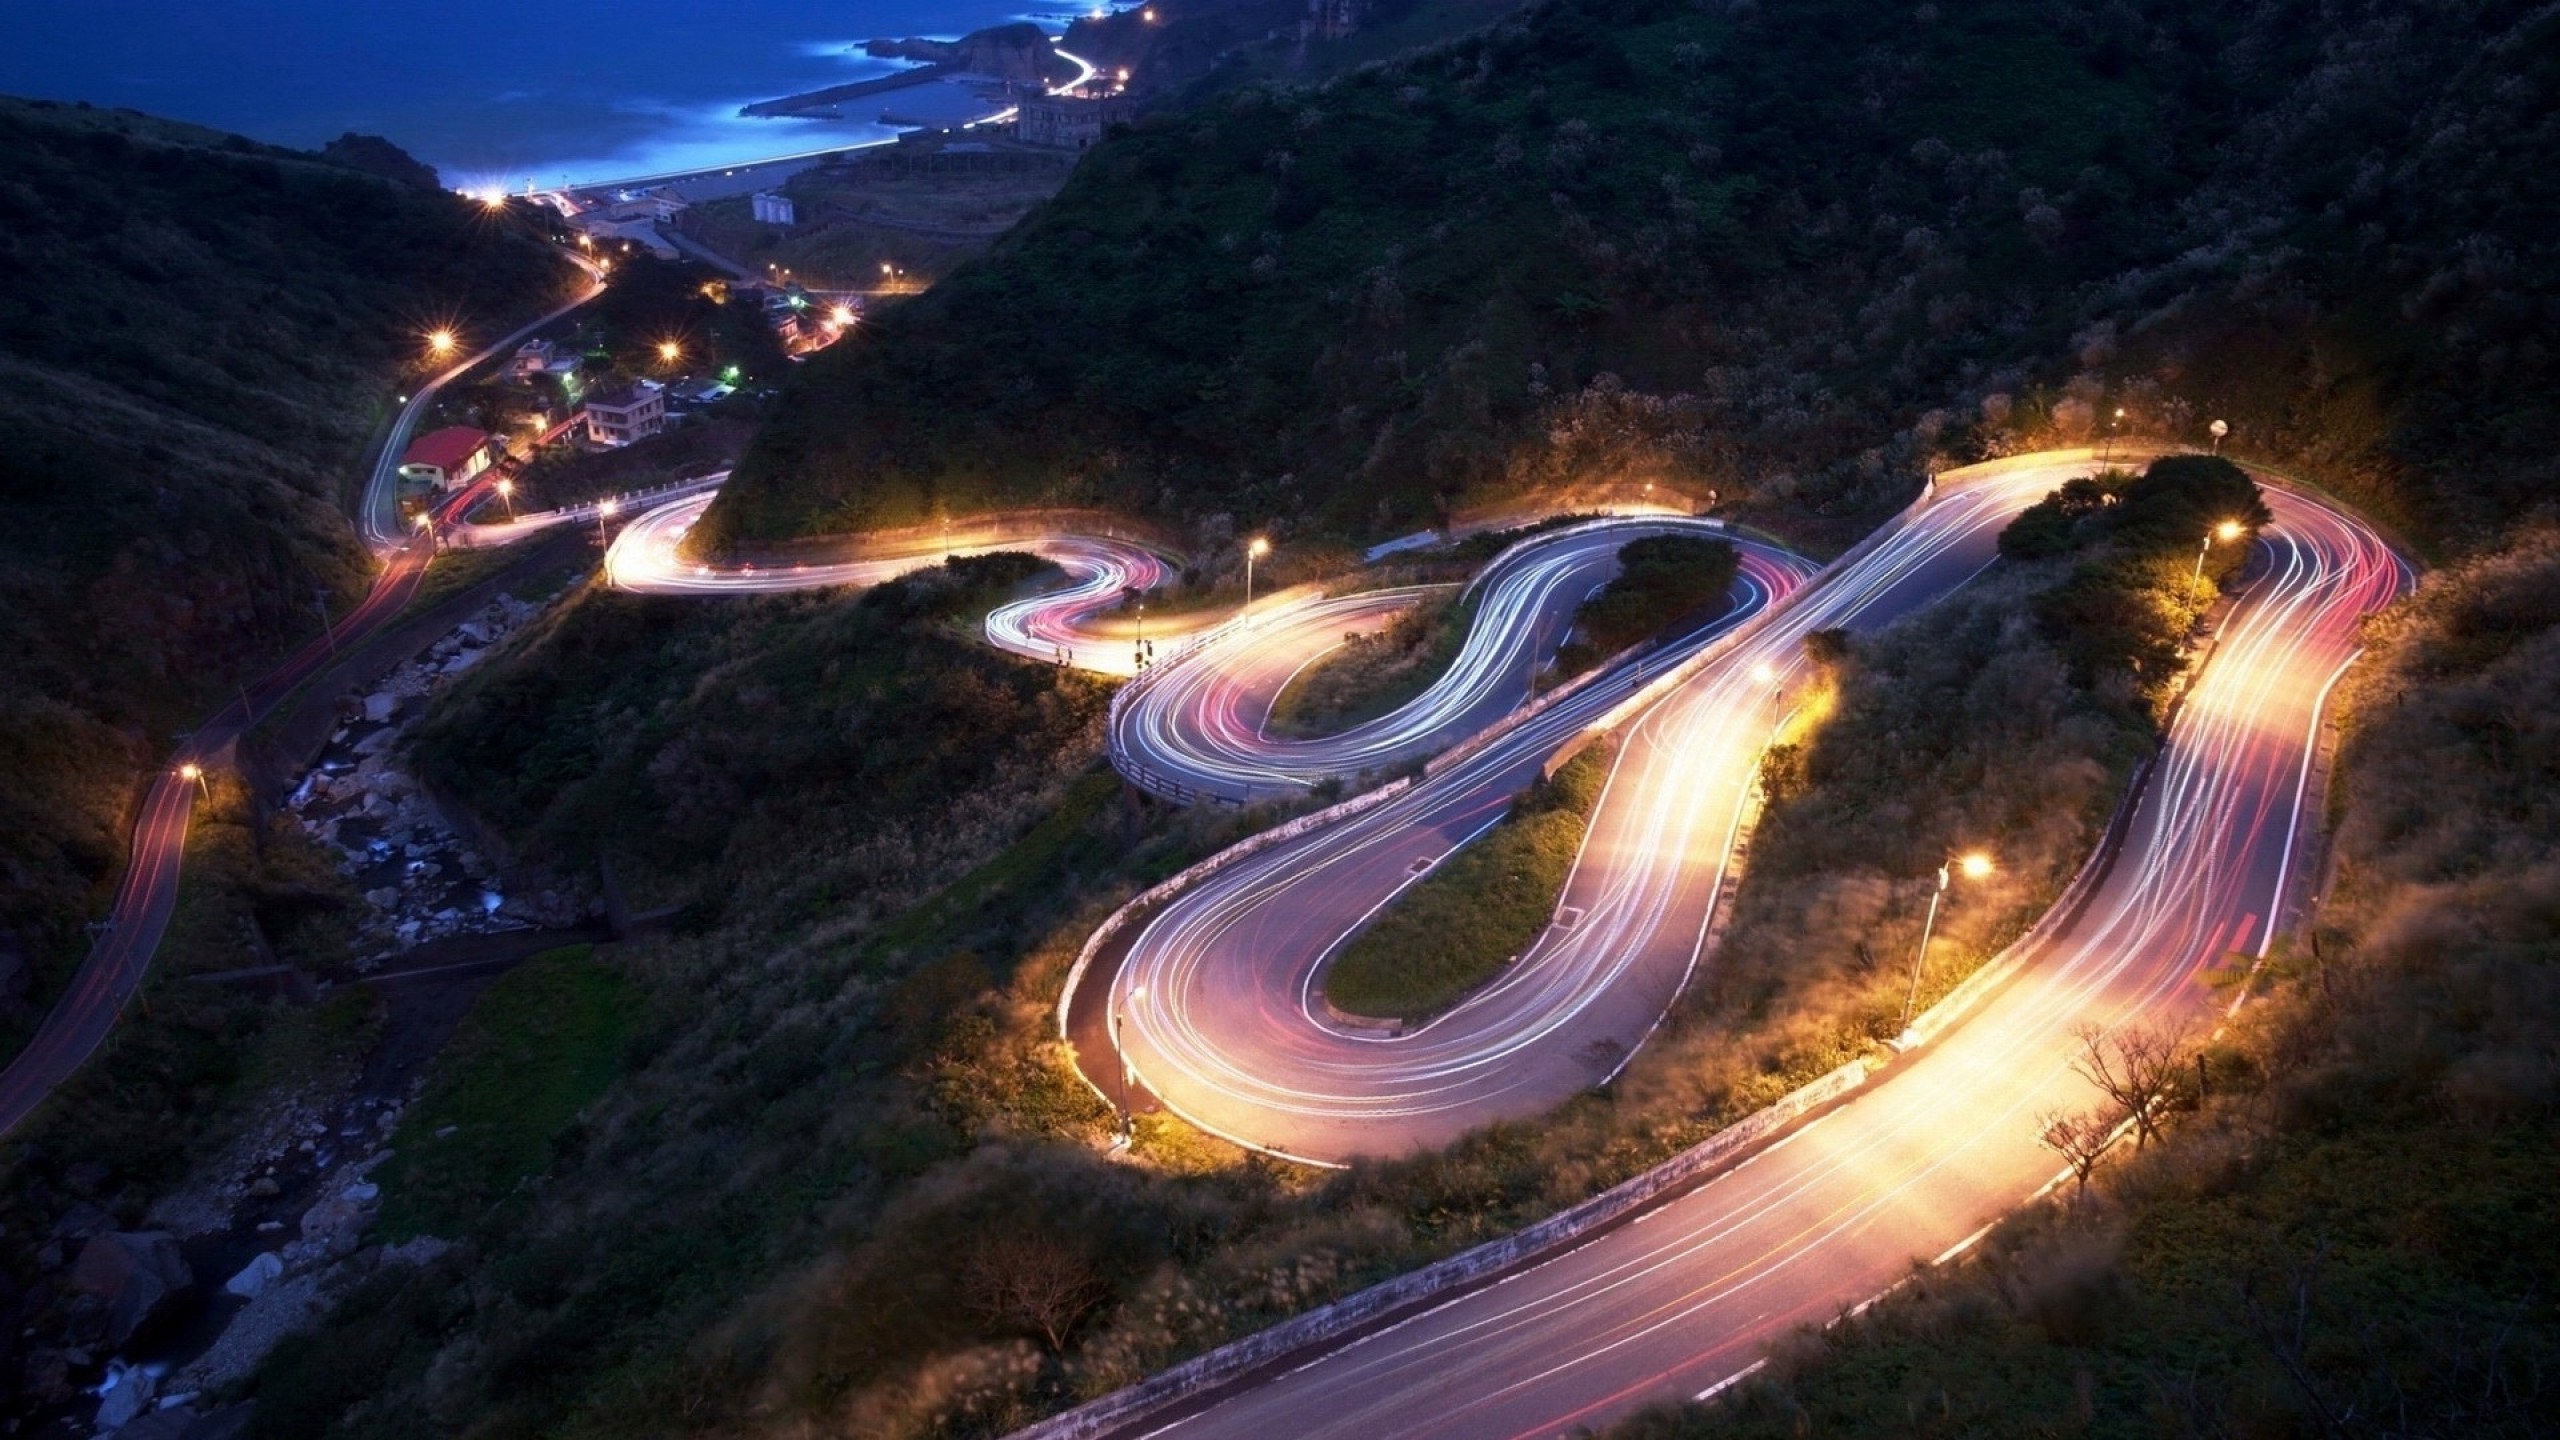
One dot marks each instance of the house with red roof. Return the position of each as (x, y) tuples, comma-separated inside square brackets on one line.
[(450, 457)]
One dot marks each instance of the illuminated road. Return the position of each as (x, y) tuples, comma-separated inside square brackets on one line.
[(147, 892), (1057, 626), (1912, 1165), (1198, 728)]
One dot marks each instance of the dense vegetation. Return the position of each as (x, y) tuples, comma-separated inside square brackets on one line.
[(1480, 910), (197, 335), (2352, 1233), (599, 746), (1723, 249), (1662, 580)]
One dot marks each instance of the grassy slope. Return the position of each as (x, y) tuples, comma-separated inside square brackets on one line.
[(537, 1048), (1464, 922), (197, 335)]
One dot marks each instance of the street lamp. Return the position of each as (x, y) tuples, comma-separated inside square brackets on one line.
[(2110, 447), (2217, 430), (669, 352), (507, 493), (2226, 532), (604, 512), (194, 774), (1253, 550), (440, 342), (1973, 866), (426, 523), (842, 315), (1120, 1058)]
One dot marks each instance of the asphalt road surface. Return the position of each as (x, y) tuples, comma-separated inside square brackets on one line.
[(1913, 1166)]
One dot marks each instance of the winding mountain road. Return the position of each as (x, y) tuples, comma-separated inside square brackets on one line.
[(1914, 1165)]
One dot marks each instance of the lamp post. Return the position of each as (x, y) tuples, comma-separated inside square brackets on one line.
[(2217, 430), (427, 526), (191, 771), (1142, 631), (1973, 867), (604, 512), (507, 493), (1120, 1060), (2228, 530), (1254, 550), (2109, 448)]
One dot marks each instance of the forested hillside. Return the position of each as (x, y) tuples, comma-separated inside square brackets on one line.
[(1798, 253), (197, 335)]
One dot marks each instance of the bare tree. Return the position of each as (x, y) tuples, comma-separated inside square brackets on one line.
[(1031, 1280), (2080, 1137), (2137, 1067)]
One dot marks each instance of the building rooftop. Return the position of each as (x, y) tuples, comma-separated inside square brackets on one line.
[(445, 448), (620, 397)]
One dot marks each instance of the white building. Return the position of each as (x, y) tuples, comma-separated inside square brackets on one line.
[(626, 413), (773, 209)]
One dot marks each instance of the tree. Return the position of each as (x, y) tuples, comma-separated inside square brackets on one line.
[(2136, 1068), (1033, 1281), (2080, 1137)]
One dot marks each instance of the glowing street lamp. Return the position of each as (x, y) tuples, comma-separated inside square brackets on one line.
[(193, 773), (1253, 550), (2226, 532), (440, 342), (841, 316), (1973, 866), (507, 493), (2217, 430), (426, 524), (669, 352), (605, 509)]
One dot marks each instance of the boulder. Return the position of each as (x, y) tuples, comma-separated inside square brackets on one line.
[(141, 1277), (255, 1275), (381, 706), (126, 1396)]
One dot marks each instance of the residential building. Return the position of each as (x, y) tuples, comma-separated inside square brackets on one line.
[(450, 457), (533, 357), (626, 413), (1070, 122), (773, 209)]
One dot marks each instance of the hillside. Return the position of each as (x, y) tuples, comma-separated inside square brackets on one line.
[(1949, 235), (1721, 249), (198, 334)]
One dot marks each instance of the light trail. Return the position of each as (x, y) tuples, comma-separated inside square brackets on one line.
[(1201, 728), (1834, 1212)]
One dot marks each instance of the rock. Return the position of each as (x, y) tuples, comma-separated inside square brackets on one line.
[(475, 631), (265, 1188), (378, 742), (381, 706), (171, 1422), (383, 898), (255, 1275), (48, 1376), (336, 1224), (141, 1277), (127, 1394)]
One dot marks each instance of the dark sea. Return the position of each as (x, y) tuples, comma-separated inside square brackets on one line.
[(490, 92)]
